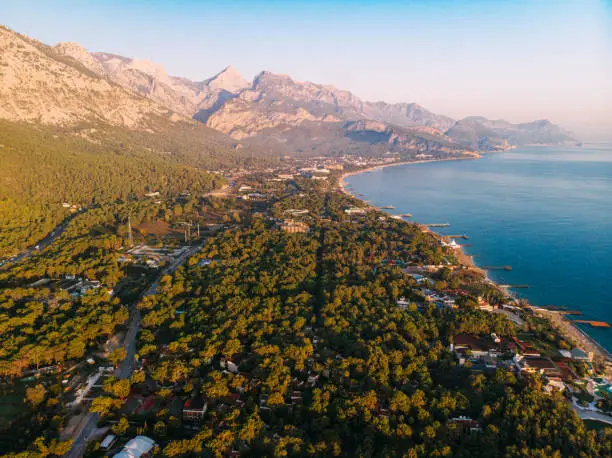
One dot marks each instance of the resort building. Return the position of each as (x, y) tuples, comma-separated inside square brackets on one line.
[(355, 211), (292, 226), (140, 446), (538, 365)]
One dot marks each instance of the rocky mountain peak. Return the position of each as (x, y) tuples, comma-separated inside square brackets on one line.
[(61, 85), (80, 54), (229, 79)]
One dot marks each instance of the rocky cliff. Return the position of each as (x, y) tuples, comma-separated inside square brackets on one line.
[(39, 84)]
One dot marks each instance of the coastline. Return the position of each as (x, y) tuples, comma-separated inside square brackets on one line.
[(345, 175), (564, 327)]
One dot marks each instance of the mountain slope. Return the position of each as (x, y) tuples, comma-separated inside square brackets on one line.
[(37, 84), (151, 80), (278, 112), (272, 93), (66, 85), (487, 135), (272, 107)]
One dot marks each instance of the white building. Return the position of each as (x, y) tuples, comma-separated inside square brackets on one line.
[(140, 446)]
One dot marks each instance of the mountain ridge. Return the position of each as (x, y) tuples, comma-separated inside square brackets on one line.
[(265, 111)]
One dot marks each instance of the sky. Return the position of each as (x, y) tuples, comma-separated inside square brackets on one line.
[(518, 60)]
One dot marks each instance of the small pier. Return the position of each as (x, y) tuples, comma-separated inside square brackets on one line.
[(465, 244), (496, 267), (514, 286), (595, 324), (437, 225), (463, 236), (405, 215)]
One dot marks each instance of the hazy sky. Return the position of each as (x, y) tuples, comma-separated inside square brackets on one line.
[(518, 60)]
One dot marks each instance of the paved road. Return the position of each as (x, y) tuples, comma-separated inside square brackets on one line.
[(42, 244), (80, 442), (128, 364), (587, 414)]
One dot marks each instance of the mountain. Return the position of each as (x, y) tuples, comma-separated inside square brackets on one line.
[(280, 94), (38, 84), (66, 84), (279, 112), (488, 135), (151, 80)]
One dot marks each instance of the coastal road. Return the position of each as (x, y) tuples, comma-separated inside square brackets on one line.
[(128, 364)]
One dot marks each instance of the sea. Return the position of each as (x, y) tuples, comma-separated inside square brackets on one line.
[(544, 211)]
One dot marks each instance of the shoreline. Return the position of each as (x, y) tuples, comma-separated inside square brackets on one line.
[(564, 327), (345, 175)]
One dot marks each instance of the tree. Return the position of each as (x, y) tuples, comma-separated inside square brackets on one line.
[(160, 428), (104, 404), (121, 427), (35, 395), (121, 388), (117, 355)]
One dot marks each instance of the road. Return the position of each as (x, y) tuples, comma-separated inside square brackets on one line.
[(587, 414), (128, 364), (80, 442), (42, 244)]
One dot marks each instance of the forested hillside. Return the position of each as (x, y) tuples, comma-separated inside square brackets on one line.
[(44, 167)]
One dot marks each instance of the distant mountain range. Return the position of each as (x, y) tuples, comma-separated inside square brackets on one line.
[(66, 85)]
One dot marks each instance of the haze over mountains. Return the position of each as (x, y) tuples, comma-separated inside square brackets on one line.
[(66, 85)]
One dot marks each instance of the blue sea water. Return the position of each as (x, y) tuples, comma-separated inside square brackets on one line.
[(546, 212)]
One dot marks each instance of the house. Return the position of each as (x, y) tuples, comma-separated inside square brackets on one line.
[(294, 227), (254, 196), (402, 303), (567, 373), (566, 354), (194, 409), (526, 348), (355, 211), (463, 424), (140, 446), (581, 355), (554, 383), (297, 212), (78, 286), (108, 442), (479, 348), (538, 365)]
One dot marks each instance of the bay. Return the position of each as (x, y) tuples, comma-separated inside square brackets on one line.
[(545, 211)]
